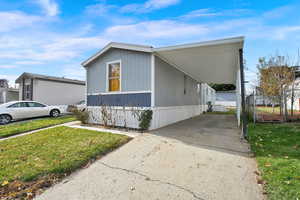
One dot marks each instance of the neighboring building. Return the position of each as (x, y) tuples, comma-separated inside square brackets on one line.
[(226, 98), (7, 94), (50, 90), (171, 81), (296, 105)]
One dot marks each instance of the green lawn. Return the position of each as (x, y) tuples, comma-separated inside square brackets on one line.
[(53, 151), (277, 150), (268, 110), (231, 111), (21, 127)]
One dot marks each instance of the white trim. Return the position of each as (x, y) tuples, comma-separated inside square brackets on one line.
[(119, 46), (152, 80), (200, 44), (123, 92), (107, 75)]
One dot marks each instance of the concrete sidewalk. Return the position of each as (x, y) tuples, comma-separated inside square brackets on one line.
[(158, 166)]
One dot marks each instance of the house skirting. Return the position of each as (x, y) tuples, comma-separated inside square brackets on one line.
[(162, 116)]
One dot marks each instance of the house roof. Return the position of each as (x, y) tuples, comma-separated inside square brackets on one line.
[(49, 78), (118, 45), (214, 61)]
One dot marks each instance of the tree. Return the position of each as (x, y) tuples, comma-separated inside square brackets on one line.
[(275, 74)]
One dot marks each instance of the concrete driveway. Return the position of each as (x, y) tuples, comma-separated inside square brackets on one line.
[(200, 158)]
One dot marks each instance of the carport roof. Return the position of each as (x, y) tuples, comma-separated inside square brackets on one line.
[(213, 61)]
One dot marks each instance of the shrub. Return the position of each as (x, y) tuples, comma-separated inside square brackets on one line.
[(81, 115), (143, 116), (145, 119)]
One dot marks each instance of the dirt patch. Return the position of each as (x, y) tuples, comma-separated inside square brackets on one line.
[(27, 190)]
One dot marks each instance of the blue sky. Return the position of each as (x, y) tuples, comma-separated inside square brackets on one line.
[(54, 36)]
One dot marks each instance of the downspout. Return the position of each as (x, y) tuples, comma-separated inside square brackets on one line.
[(31, 90), (244, 116)]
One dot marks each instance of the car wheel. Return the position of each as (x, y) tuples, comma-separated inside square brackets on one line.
[(54, 113), (5, 119)]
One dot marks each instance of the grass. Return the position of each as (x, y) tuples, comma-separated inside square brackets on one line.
[(267, 110), (277, 150), (53, 151), (21, 127), (231, 111)]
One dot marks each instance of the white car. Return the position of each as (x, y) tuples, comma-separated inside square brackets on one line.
[(16, 110)]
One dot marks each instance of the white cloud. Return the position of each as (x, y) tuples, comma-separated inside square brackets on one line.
[(148, 6), (7, 66), (52, 49), (74, 71), (16, 20), (158, 4), (205, 12), (28, 62), (281, 33), (50, 7), (156, 29), (279, 12), (100, 9), (75, 43)]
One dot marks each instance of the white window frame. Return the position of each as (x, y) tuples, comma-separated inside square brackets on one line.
[(107, 76)]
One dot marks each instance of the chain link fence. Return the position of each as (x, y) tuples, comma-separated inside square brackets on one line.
[(262, 108)]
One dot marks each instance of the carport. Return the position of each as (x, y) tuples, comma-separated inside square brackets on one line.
[(217, 61)]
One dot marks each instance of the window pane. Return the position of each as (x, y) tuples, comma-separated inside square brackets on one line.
[(114, 85), (114, 70), (34, 104), (39, 105), (23, 104), (16, 105)]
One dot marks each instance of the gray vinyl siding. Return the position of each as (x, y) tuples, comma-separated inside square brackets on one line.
[(135, 71), (169, 86), (138, 99)]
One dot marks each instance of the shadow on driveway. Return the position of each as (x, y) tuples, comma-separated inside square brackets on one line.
[(212, 131)]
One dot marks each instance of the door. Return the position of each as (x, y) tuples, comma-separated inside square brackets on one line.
[(38, 109), (19, 110)]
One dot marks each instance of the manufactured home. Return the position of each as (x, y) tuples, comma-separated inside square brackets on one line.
[(171, 81), (50, 90)]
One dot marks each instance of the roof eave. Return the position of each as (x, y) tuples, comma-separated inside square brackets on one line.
[(239, 39), (110, 45)]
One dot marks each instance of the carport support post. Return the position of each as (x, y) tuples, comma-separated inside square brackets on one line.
[(244, 117)]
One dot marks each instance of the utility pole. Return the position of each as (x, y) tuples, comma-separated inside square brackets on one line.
[(244, 117)]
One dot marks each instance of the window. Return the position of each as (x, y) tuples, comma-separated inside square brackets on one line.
[(18, 105), (114, 80), (35, 104), (27, 92)]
